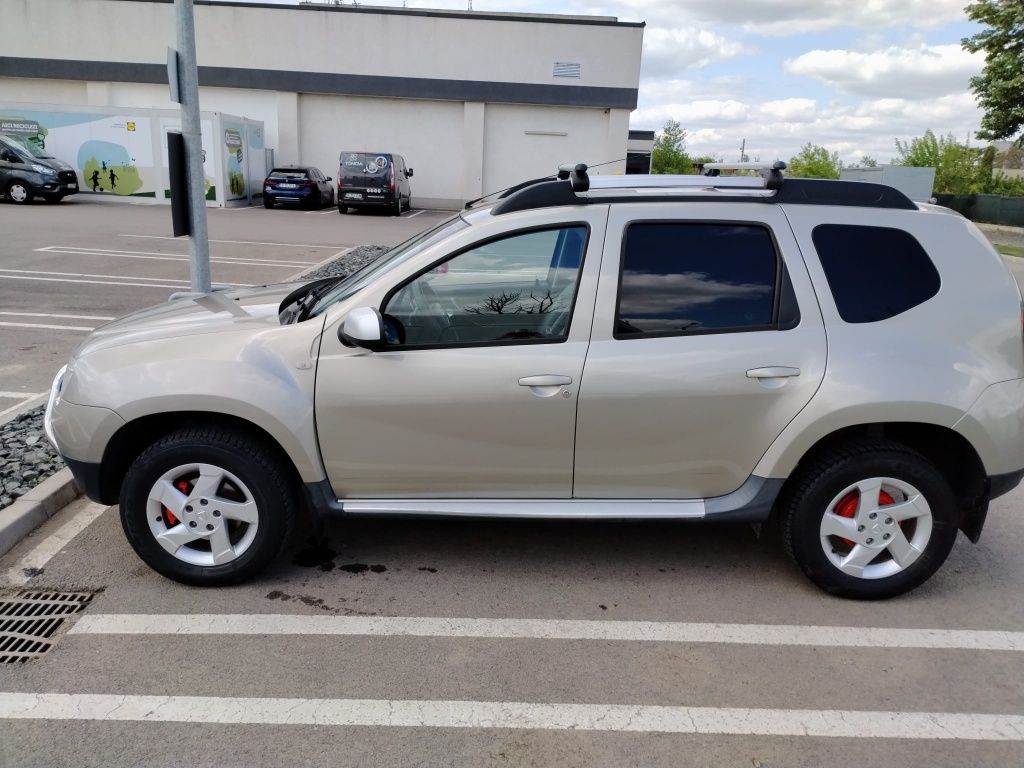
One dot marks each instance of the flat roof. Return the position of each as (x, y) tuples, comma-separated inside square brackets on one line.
[(544, 18)]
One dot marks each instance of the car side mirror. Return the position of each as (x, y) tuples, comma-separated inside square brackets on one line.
[(328, 179), (6, 157), (363, 327), (408, 173)]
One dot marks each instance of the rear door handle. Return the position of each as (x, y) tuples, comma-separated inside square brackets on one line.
[(545, 380), (772, 372)]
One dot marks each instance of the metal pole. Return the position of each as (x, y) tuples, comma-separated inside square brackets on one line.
[(191, 129)]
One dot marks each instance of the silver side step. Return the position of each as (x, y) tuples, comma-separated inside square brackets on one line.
[(587, 509)]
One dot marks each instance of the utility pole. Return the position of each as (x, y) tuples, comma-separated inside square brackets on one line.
[(192, 133)]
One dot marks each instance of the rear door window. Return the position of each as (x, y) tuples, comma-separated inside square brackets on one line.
[(287, 174), (683, 278), (364, 168), (874, 273)]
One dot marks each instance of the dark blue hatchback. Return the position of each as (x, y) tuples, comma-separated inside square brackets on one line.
[(306, 186)]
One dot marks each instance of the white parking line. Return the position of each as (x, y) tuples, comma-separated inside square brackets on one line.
[(240, 242), (512, 714), (25, 403), (90, 274), (411, 215), (149, 256), (19, 395), (44, 551), (548, 629), (5, 324), (63, 317), (88, 282)]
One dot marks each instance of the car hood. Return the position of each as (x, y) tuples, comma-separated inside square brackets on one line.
[(248, 309), (52, 162)]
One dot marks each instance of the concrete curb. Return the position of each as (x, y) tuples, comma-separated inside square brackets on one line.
[(36, 507)]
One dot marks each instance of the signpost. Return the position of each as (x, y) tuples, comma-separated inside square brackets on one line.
[(183, 78)]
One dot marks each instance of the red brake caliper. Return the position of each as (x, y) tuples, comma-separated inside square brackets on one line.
[(181, 485), (847, 507)]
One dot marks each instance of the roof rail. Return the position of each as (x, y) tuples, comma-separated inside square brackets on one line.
[(573, 186), (771, 172)]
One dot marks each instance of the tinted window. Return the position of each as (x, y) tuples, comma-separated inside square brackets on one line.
[(288, 173), (518, 288), (363, 165), (874, 273), (691, 278)]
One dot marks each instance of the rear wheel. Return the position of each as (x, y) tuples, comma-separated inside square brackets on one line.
[(342, 208), (19, 192), (268, 201), (396, 208), (207, 506), (869, 520), (53, 198)]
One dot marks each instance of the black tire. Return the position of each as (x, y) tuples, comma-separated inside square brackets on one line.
[(16, 185), (342, 209), (809, 492), (250, 461), (396, 209), (268, 202), (54, 198), (316, 202)]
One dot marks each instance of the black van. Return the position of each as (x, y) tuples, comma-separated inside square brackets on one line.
[(373, 180), (27, 171)]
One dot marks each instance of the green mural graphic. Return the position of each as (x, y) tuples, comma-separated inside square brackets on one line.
[(119, 179)]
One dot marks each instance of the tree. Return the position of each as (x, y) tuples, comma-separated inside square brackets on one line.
[(867, 161), (1000, 86), (814, 162), (669, 154), (959, 169)]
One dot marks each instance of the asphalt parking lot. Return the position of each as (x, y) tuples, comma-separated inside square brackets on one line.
[(65, 269), (470, 643)]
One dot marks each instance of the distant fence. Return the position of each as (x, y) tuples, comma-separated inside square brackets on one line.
[(991, 209)]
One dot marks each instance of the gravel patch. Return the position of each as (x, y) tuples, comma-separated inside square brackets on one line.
[(345, 265), (26, 456)]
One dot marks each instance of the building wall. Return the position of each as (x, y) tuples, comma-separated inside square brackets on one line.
[(470, 100), (428, 134)]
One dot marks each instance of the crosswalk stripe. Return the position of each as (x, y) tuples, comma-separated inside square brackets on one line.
[(547, 629), (506, 714)]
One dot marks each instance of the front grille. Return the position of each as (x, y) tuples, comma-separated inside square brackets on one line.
[(66, 176), (30, 620)]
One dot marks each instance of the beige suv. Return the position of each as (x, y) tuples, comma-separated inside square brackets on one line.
[(828, 353)]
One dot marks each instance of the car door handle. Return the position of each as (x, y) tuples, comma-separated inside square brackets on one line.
[(772, 372), (545, 380)]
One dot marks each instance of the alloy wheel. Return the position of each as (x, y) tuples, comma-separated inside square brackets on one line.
[(876, 528), (202, 514)]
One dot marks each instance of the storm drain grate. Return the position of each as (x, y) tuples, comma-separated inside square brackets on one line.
[(29, 620)]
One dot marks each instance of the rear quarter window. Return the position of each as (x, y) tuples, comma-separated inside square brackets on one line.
[(874, 273)]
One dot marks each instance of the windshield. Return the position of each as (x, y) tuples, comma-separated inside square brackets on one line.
[(397, 255), (26, 147)]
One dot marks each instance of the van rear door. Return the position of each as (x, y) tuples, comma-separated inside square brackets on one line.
[(364, 176)]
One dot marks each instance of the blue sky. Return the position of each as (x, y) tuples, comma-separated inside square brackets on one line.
[(852, 75)]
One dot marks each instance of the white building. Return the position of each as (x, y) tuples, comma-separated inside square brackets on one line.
[(474, 101)]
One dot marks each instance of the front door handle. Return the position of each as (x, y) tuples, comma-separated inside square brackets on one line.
[(545, 380), (772, 372)]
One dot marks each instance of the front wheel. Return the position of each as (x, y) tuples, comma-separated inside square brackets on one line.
[(207, 506), (869, 520), (19, 192)]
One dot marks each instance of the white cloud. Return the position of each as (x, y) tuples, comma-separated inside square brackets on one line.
[(671, 51), (777, 129), (921, 73), (788, 17)]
